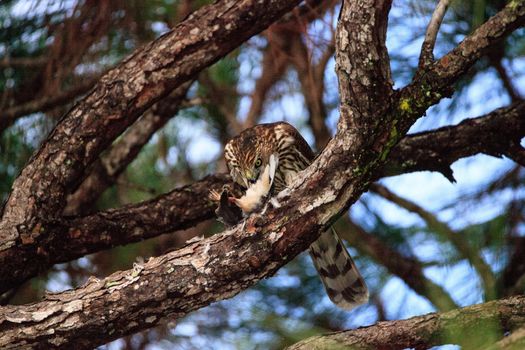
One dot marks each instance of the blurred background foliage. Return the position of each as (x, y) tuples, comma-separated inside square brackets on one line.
[(53, 51)]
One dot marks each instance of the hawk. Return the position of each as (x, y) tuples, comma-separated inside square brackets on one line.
[(265, 159)]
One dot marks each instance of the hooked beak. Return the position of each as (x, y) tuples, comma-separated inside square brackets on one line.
[(249, 178)]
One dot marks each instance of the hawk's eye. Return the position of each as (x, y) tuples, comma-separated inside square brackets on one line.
[(258, 162)]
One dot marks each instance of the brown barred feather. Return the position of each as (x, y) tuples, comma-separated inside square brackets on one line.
[(343, 282)]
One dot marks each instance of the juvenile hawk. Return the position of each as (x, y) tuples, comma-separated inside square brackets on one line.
[(270, 155)]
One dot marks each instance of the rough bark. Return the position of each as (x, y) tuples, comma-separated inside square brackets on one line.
[(493, 134), (433, 150), (437, 79), (106, 170), (133, 223), (121, 96), (471, 327), (221, 266)]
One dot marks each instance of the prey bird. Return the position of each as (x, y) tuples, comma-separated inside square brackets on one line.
[(265, 159)]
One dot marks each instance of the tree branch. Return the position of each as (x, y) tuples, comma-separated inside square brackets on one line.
[(73, 238), (121, 96), (472, 327), (433, 150), (493, 134), (427, 49), (107, 169), (482, 268), (362, 64), (8, 116), (408, 269), (437, 80), (224, 264)]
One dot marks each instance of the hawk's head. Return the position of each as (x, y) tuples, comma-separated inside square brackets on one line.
[(248, 153)]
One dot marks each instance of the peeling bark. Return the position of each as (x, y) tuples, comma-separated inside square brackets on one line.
[(434, 150), (106, 170)]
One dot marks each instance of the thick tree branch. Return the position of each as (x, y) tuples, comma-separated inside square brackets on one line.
[(493, 134), (433, 150), (73, 238), (121, 96), (472, 327), (224, 264), (107, 169), (362, 64)]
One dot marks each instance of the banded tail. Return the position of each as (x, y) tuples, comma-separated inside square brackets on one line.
[(341, 279)]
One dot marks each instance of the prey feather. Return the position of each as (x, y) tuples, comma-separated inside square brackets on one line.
[(257, 193)]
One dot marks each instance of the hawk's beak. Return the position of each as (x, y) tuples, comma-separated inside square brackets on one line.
[(249, 178)]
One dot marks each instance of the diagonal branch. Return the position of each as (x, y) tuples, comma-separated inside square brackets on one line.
[(73, 238), (408, 269), (106, 170), (219, 267), (473, 327), (437, 80), (120, 97), (433, 150)]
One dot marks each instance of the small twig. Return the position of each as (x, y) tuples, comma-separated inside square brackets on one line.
[(192, 102), (427, 49)]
